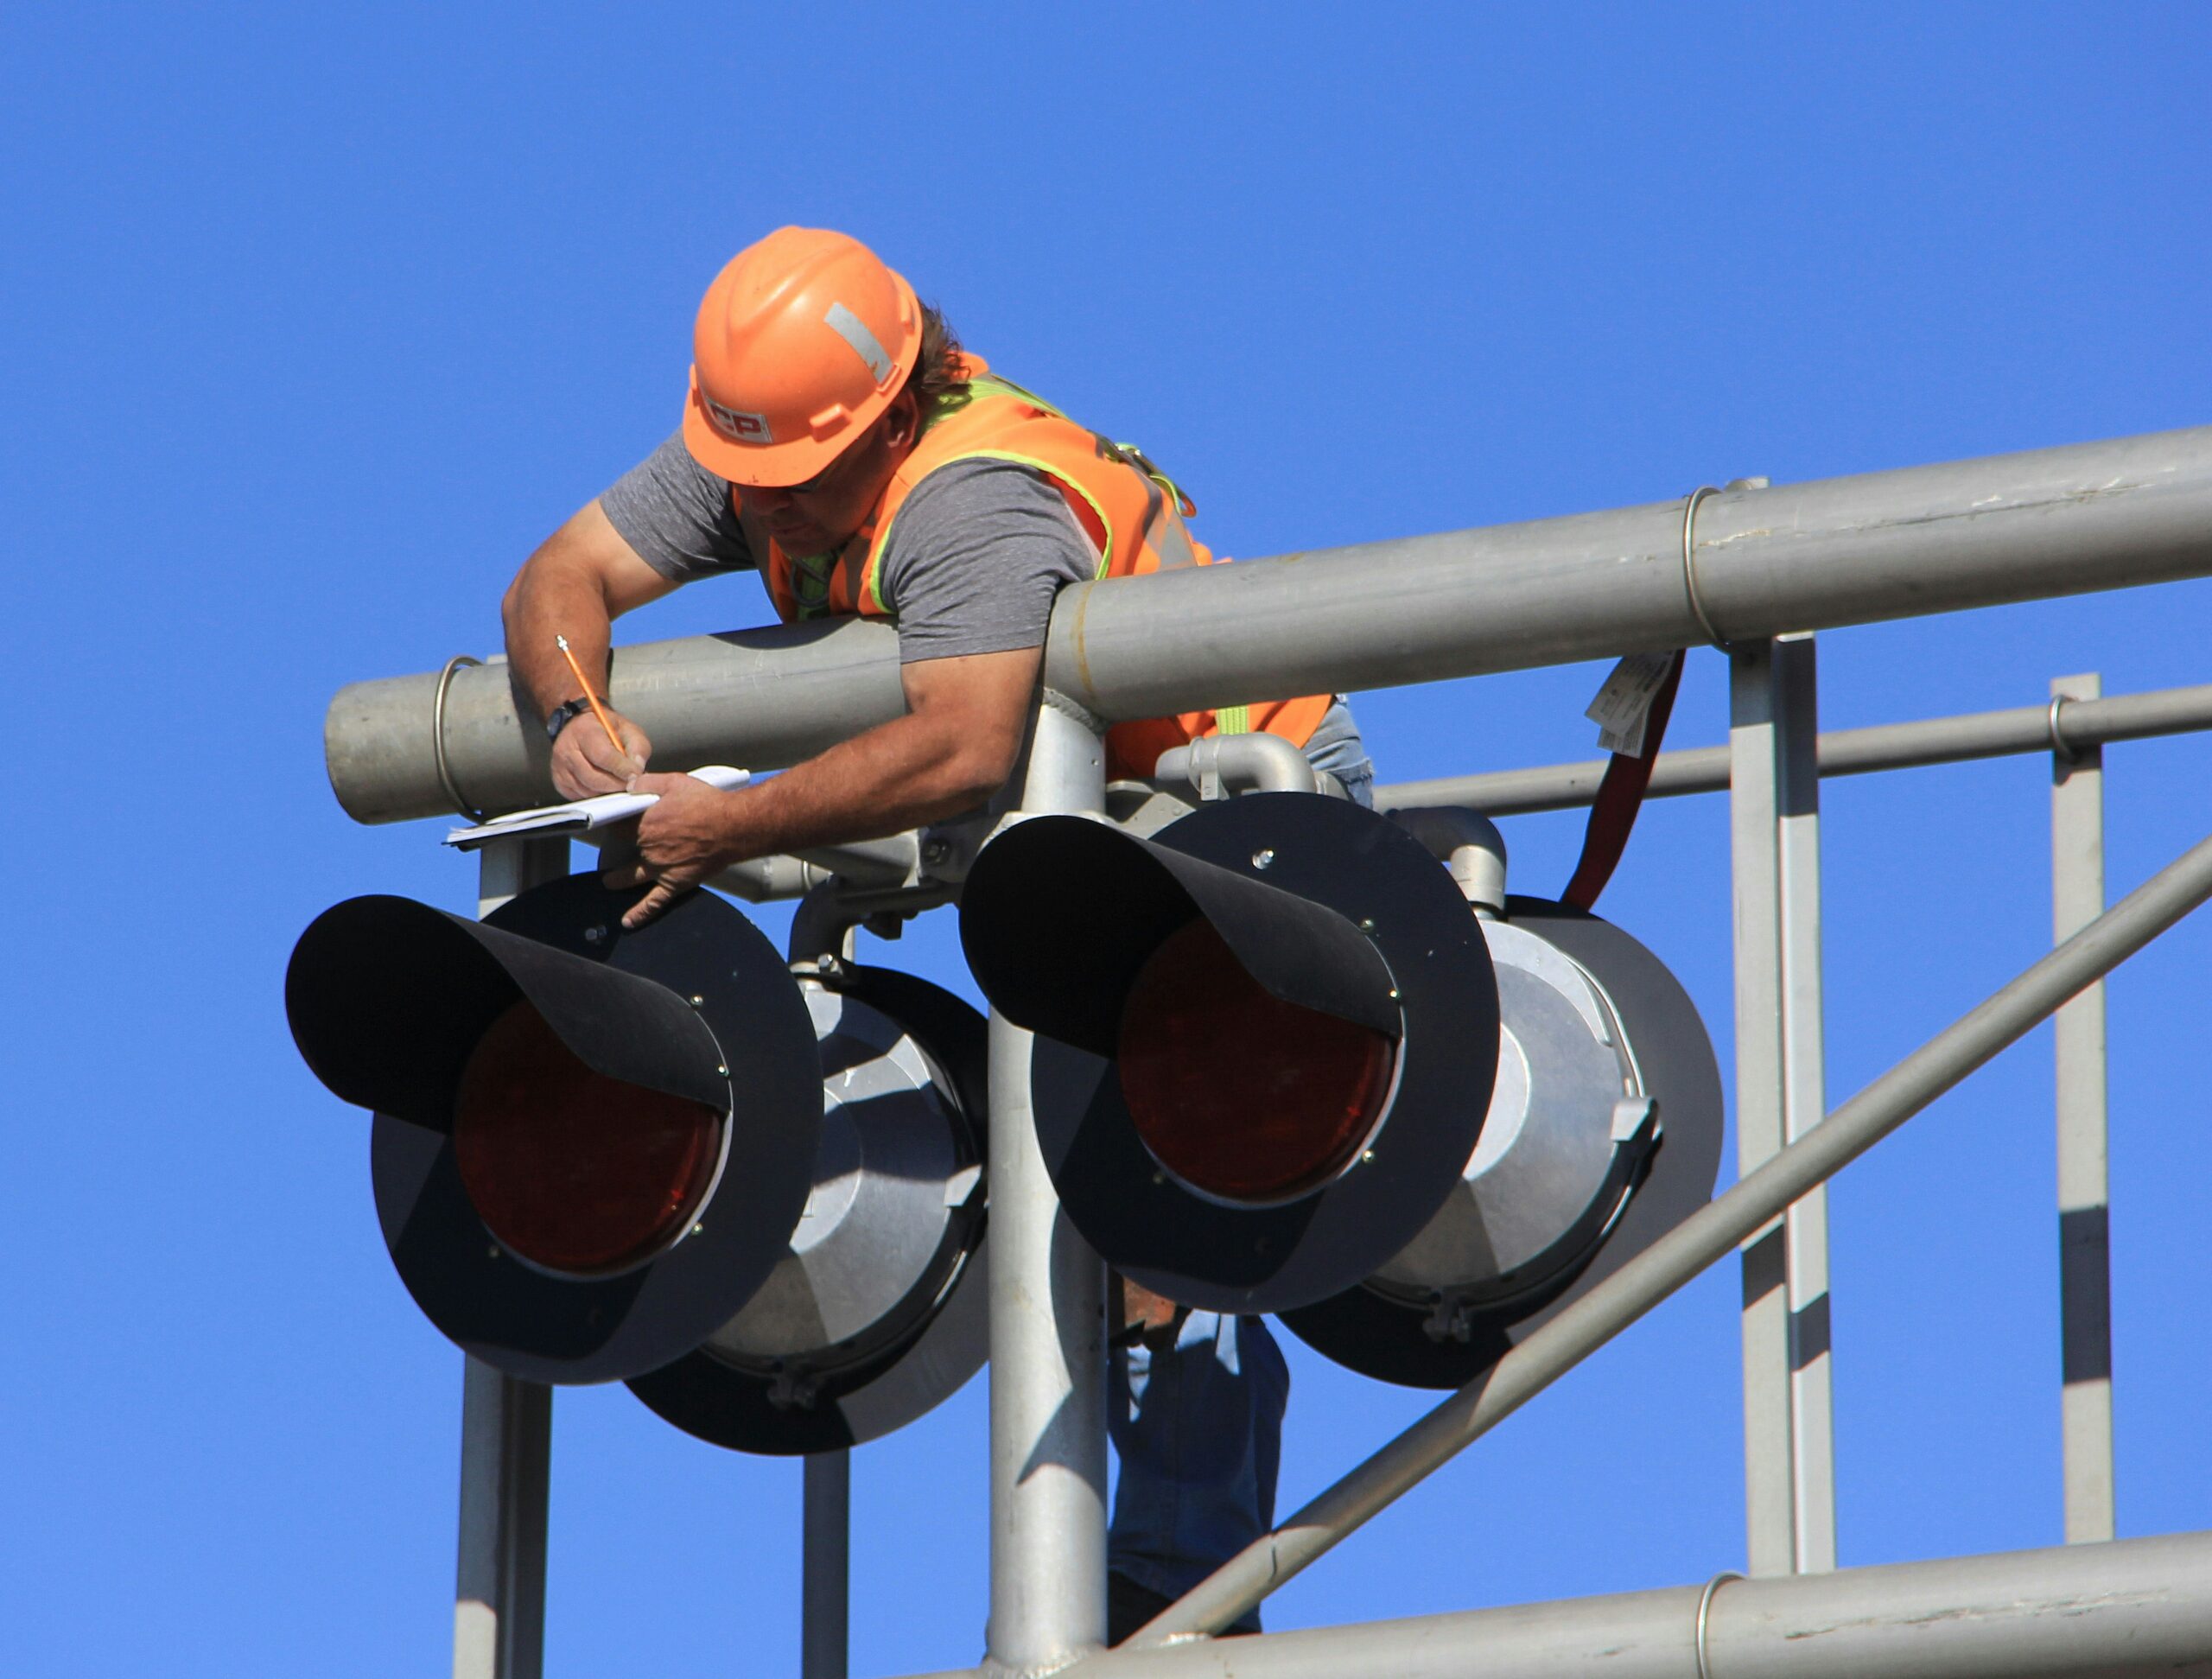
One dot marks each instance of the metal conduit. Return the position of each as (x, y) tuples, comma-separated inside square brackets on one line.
[(2073, 724), (2130, 1609), (1802, 556), (1706, 1236)]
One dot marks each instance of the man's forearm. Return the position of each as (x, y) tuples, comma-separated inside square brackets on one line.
[(955, 747), (899, 775), (546, 602)]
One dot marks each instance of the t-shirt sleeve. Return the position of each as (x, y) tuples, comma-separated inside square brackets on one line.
[(975, 558), (678, 515)]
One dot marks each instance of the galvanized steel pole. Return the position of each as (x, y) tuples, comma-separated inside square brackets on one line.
[(2078, 872), (1687, 1249), (1775, 814), (2010, 733), (1048, 1327), (2138, 1609), (1803, 556), (506, 1428), (826, 1551)]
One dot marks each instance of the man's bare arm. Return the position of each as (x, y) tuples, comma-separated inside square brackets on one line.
[(580, 579), (953, 749)]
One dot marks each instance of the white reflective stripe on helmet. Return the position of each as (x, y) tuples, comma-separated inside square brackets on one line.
[(866, 344)]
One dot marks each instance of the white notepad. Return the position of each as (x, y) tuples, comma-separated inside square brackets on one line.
[(584, 814)]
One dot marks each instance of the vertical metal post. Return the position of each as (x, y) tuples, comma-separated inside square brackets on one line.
[(2077, 880), (824, 1583), (1048, 1335), (506, 1429), (821, 927), (1789, 1431)]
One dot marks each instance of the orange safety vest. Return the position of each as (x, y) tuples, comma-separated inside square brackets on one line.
[(1131, 512)]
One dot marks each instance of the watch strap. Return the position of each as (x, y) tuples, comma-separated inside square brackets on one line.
[(563, 714)]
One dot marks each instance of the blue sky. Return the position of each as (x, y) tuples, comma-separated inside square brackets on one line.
[(313, 323)]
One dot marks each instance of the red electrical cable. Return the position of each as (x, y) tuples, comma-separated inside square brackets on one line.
[(1620, 795)]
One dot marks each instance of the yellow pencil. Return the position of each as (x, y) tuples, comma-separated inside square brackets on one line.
[(597, 710)]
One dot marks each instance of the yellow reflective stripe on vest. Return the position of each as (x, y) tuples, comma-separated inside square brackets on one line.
[(992, 385), (810, 583), (1234, 720)]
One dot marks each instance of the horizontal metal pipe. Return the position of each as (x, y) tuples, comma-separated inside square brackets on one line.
[(2126, 1610), (887, 862), (2081, 724), (1802, 556), (759, 699), (1707, 1235), (766, 880)]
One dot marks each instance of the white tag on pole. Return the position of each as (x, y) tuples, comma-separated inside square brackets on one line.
[(1624, 704)]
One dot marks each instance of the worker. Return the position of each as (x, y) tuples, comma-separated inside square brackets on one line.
[(837, 440)]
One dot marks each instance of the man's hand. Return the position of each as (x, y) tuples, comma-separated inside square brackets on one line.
[(585, 762), (1144, 1316), (582, 578), (682, 839)]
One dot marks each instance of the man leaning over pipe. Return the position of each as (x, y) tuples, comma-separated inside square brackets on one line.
[(838, 440)]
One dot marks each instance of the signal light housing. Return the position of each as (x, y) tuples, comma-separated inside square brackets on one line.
[(878, 1310), (601, 1153), (1603, 1134), (1267, 1037), (675, 1063)]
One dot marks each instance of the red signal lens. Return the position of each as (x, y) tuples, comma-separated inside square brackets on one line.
[(571, 1169), (1237, 1093)]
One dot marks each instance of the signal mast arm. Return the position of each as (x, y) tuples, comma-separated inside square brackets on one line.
[(955, 747)]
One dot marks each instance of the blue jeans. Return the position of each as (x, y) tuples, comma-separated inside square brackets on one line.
[(1199, 1426), (1337, 750), (1198, 1429)]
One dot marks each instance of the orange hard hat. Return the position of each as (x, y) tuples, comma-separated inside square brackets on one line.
[(801, 342)]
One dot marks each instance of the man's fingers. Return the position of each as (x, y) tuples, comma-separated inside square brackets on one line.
[(620, 766), (623, 876), (579, 772), (650, 905)]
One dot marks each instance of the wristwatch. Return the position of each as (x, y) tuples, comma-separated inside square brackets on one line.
[(563, 714)]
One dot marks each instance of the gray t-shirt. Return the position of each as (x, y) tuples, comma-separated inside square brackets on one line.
[(979, 550)]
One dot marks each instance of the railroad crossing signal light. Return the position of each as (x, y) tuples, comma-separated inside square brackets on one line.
[(1267, 1035), (1604, 1132), (599, 1154), (878, 1309)]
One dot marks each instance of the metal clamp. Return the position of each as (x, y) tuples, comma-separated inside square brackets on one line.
[(2061, 747), (438, 738), (1689, 565), (1704, 1616)]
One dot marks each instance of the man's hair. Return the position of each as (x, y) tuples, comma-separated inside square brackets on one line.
[(937, 379)]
